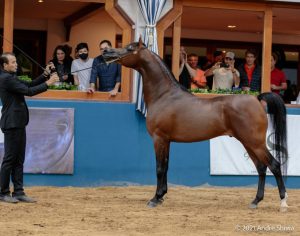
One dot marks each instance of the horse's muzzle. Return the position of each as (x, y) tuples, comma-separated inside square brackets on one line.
[(110, 55)]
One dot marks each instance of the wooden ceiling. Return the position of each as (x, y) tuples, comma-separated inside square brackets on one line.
[(285, 21)]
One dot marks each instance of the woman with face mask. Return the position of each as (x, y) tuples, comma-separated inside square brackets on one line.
[(81, 67)]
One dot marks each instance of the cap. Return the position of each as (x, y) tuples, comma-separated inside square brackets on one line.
[(230, 55), (217, 53)]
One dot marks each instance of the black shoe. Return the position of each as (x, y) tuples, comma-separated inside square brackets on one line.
[(24, 198), (9, 199)]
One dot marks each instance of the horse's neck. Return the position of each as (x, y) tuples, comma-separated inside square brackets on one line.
[(157, 79)]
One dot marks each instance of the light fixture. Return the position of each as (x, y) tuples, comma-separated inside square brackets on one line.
[(231, 26), (40, 0)]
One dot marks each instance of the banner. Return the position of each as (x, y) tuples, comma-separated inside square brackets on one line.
[(50, 141), (229, 157)]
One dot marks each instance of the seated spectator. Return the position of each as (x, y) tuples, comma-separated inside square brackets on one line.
[(62, 63), (225, 74), (197, 78), (250, 72), (278, 78), (217, 58), (82, 67), (108, 75)]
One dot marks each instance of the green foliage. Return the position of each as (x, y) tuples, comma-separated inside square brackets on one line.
[(63, 86), (25, 78), (224, 91), (60, 86)]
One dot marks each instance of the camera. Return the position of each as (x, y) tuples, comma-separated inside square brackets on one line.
[(51, 67), (224, 65), (52, 70)]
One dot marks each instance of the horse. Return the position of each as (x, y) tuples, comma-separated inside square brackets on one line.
[(176, 115)]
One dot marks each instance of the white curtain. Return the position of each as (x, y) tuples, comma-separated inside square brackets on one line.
[(151, 11)]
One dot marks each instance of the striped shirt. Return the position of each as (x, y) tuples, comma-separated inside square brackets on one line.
[(84, 75)]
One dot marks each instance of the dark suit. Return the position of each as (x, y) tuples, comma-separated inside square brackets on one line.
[(14, 119)]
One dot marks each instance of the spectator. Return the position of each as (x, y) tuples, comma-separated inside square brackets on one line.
[(184, 76), (217, 58), (68, 51), (81, 68), (291, 93), (62, 63), (225, 74), (108, 75), (278, 78), (250, 72), (197, 78)]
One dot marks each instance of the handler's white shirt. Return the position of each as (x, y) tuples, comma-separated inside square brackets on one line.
[(84, 75)]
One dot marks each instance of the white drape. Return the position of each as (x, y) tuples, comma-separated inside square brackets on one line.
[(151, 11)]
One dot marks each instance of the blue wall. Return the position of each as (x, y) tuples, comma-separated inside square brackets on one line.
[(112, 147)]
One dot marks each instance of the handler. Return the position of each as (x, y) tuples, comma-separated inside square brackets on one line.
[(14, 119)]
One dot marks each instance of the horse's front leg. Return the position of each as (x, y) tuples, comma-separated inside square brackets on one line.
[(162, 148)]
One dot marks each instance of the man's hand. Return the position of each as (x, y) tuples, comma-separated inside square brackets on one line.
[(183, 55), (113, 92), (65, 77), (53, 79), (274, 87), (90, 90)]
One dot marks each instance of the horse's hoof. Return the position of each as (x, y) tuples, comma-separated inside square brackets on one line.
[(253, 206), (154, 203), (283, 209)]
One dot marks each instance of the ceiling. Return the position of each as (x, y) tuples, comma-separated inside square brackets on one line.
[(285, 21), (49, 9)]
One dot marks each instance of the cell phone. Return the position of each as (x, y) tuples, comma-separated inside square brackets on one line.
[(224, 65)]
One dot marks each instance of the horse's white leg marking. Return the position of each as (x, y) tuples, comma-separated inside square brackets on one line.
[(283, 203)]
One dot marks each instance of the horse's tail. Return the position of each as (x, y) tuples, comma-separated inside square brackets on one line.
[(277, 111)]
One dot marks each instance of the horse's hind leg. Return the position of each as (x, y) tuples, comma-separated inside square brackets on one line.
[(274, 167), (262, 158), (162, 148), (261, 169)]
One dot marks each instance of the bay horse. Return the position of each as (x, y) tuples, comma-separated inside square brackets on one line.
[(176, 115)]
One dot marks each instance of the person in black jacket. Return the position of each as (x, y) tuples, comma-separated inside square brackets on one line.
[(62, 62), (250, 72), (13, 121)]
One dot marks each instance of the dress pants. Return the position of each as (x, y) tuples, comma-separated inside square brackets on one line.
[(13, 161)]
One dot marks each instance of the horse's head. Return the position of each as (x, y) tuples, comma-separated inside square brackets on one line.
[(128, 56)]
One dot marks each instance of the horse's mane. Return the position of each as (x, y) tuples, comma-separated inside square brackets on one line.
[(170, 75)]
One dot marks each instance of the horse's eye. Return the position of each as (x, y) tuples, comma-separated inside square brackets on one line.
[(130, 48)]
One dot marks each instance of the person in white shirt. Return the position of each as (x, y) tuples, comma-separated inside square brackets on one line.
[(225, 74), (81, 68)]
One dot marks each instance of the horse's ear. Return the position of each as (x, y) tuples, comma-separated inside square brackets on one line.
[(141, 44)]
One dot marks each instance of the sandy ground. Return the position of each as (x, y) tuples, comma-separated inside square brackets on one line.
[(123, 211)]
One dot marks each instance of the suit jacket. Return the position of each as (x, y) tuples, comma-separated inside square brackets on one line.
[(12, 91)]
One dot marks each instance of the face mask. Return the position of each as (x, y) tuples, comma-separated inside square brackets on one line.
[(83, 56)]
